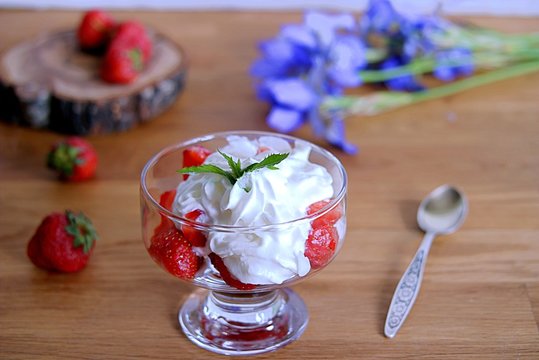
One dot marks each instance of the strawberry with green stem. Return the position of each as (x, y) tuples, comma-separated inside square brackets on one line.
[(74, 159), (128, 54), (63, 242)]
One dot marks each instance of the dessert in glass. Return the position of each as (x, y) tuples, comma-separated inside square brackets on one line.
[(243, 215)]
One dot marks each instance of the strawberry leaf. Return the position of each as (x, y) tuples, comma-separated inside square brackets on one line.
[(82, 230)]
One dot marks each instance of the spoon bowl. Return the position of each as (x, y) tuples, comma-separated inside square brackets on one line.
[(443, 211)]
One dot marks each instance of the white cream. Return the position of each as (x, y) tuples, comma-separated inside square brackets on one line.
[(274, 196)]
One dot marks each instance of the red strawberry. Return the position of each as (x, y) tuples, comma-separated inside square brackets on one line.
[(329, 218), (63, 242), (166, 200), (132, 34), (194, 236), (194, 156), (121, 64), (320, 245), (170, 249), (262, 149), (34, 253), (74, 158), (227, 277), (94, 30)]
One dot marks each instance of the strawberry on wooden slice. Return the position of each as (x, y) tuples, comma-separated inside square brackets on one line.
[(170, 249), (320, 245), (133, 34), (121, 64), (227, 277), (194, 156), (94, 30), (194, 236), (74, 159), (166, 200), (63, 242), (329, 218)]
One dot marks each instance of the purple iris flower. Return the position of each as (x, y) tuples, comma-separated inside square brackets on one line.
[(305, 63), (292, 99), (381, 26), (400, 83), (452, 63), (381, 18)]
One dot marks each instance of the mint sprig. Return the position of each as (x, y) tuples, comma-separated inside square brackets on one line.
[(236, 171)]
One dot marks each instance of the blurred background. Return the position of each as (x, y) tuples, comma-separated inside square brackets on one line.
[(492, 7)]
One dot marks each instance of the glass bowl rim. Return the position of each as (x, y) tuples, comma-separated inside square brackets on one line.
[(341, 193)]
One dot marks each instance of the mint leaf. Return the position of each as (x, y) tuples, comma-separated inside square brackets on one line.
[(269, 161), (235, 166), (208, 168)]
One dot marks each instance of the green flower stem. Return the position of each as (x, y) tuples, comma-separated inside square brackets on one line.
[(383, 101), (427, 65), (475, 81)]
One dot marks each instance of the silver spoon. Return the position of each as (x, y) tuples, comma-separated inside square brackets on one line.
[(442, 212)]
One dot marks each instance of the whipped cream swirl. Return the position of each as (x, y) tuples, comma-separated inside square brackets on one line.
[(263, 256)]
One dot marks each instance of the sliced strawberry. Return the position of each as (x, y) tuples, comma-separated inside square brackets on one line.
[(166, 200), (329, 218), (320, 245), (170, 249), (262, 149), (194, 236), (194, 156), (226, 275)]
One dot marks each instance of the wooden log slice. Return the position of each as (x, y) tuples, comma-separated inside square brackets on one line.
[(49, 83)]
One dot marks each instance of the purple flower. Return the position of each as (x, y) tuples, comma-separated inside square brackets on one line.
[(325, 26), (453, 63), (381, 27), (336, 136), (381, 18), (400, 83), (292, 98), (281, 58), (303, 64)]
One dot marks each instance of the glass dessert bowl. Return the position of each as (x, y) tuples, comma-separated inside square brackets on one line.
[(243, 215)]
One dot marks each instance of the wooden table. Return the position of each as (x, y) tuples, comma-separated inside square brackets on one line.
[(480, 296)]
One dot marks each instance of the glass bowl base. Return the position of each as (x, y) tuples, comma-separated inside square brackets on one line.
[(243, 324)]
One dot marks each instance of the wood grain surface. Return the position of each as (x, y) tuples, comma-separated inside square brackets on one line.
[(480, 296)]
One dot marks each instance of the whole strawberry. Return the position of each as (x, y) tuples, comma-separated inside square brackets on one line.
[(133, 34), (128, 53), (74, 159), (122, 64), (62, 242), (94, 30)]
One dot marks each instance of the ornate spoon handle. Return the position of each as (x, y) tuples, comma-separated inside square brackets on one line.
[(407, 289)]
